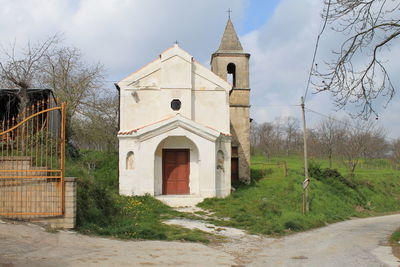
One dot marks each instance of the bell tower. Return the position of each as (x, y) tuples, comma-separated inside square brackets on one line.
[(231, 63)]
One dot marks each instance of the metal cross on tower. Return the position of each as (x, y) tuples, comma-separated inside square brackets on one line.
[(229, 12)]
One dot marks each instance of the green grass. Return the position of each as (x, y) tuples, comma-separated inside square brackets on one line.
[(395, 237), (273, 204), (102, 211)]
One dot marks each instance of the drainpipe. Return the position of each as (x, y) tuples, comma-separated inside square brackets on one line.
[(119, 102)]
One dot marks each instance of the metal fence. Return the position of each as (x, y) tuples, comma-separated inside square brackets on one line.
[(32, 149)]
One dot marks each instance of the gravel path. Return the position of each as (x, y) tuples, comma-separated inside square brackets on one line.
[(359, 242)]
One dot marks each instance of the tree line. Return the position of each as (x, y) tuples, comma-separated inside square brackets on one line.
[(349, 141), (92, 109)]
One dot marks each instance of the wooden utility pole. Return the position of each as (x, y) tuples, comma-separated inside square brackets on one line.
[(306, 206)]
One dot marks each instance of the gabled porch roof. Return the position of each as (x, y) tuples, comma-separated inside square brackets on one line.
[(169, 123)]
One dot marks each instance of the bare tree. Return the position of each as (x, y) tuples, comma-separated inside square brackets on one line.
[(355, 143), (313, 143), (97, 126), (329, 133), (73, 80), (291, 130), (377, 146), (371, 25), (253, 136), (20, 69), (266, 137), (396, 152), (92, 111)]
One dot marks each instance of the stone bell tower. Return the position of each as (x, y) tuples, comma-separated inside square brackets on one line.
[(231, 63)]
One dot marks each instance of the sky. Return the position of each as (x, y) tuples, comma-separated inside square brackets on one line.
[(124, 35)]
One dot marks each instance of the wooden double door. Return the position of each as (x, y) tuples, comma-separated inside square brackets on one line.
[(234, 170), (175, 171)]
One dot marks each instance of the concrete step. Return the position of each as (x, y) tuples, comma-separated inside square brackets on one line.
[(180, 200), (13, 162)]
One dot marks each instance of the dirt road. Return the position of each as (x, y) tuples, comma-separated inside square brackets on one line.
[(358, 242)]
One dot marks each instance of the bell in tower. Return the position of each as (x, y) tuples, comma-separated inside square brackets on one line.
[(231, 63)]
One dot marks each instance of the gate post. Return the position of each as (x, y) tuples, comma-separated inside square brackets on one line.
[(68, 219), (70, 203)]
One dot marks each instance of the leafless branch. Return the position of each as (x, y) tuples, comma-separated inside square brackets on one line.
[(372, 26)]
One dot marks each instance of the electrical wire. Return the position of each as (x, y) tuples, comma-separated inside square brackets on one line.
[(342, 122), (315, 50), (273, 106)]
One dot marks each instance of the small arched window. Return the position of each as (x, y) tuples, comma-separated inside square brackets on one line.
[(220, 160), (231, 70), (130, 161)]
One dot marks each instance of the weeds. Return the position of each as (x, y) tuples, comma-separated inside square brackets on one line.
[(102, 211)]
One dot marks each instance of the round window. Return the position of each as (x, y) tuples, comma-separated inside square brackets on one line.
[(176, 104)]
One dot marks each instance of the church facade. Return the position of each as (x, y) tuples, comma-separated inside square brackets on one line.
[(176, 125)]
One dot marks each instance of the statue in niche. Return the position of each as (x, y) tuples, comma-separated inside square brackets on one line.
[(220, 160)]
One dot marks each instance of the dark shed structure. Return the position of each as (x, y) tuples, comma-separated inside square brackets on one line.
[(9, 101)]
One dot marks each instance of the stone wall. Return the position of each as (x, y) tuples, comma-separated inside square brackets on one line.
[(240, 130), (40, 196), (68, 220)]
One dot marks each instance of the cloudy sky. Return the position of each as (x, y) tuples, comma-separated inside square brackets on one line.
[(126, 34)]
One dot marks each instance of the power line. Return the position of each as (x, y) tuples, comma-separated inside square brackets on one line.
[(315, 50), (343, 122)]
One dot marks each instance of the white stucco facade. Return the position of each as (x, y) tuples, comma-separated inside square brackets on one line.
[(149, 125)]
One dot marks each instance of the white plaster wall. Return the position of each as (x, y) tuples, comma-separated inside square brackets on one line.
[(147, 94), (173, 65), (127, 178), (223, 177), (150, 105), (209, 109)]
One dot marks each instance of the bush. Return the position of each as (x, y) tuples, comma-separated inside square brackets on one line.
[(294, 221), (325, 175), (95, 203)]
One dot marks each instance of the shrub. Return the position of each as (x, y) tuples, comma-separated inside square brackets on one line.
[(95, 203), (294, 221)]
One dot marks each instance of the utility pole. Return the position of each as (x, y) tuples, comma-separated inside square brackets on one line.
[(306, 206)]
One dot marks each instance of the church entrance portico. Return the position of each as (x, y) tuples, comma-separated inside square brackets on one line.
[(176, 160)]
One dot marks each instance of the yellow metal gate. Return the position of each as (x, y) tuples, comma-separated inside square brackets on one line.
[(32, 149)]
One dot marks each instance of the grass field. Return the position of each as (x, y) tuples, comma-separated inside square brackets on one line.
[(272, 204)]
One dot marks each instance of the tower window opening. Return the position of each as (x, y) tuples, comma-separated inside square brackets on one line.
[(231, 70)]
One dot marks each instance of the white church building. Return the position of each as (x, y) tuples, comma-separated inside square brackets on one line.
[(174, 138)]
